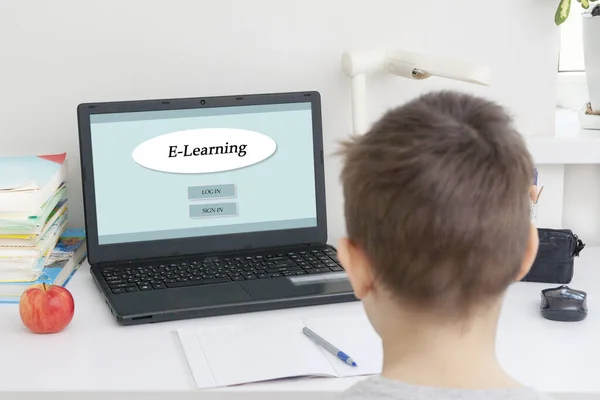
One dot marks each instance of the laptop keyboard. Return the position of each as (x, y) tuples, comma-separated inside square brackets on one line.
[(126, 279)]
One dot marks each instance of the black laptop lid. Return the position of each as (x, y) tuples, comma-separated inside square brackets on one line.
[(178, 177)]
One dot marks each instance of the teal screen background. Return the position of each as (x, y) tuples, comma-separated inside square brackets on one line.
[(134, 203)]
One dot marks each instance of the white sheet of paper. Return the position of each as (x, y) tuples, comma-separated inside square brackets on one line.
[(244, 353), (353, 335), (196, 359)]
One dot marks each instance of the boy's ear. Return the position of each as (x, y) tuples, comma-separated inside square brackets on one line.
[(532, 248), (357, 266)]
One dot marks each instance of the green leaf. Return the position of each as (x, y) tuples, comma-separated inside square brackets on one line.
[(562, 12), (586, 3)]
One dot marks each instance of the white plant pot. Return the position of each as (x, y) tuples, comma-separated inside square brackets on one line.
[(591, 52)]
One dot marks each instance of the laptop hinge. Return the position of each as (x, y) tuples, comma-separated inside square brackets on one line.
[(105, 264), (143, 260), (112, 263)]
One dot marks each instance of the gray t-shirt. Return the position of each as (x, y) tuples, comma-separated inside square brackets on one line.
[(380, 388)]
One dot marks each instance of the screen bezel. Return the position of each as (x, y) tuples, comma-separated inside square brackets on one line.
[(122, 252)]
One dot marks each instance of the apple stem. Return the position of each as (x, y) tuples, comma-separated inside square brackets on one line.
[(44, 285)]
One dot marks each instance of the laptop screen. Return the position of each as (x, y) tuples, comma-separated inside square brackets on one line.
[(196, 172)]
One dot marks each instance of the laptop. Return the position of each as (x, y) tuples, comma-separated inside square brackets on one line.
[(209, 206)]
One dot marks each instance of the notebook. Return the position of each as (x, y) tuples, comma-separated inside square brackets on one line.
[(56, 269), (27, 182), (22, 226), (235, 354)]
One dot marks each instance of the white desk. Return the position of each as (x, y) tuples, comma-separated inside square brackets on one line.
[(95, 354)]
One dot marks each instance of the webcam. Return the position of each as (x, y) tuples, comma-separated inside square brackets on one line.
[(202, 102)]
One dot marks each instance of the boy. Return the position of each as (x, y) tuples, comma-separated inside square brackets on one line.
[(437, 214)]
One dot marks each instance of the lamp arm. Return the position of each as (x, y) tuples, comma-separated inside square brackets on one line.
[(359, 106), (356, 65), (411, 65)]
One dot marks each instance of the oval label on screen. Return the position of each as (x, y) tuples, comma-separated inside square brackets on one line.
[(199, 151)]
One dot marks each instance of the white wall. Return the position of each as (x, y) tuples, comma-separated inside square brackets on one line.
[(581, 198), (58, 54)]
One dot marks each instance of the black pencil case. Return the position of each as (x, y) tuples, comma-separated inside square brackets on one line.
[(555, 257)]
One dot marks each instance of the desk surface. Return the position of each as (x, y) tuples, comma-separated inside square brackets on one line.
[(95, 354)]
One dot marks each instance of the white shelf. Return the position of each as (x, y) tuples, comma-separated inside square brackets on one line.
[(569, 145)]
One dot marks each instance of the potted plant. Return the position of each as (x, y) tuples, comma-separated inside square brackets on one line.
[(591, 46)]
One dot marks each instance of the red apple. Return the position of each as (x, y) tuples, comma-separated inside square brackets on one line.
[(46, 308)]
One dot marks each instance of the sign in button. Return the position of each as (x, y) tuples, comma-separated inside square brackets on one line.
[(213, 210), (211, 192)]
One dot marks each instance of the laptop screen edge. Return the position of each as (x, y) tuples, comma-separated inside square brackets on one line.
[(122, 252)]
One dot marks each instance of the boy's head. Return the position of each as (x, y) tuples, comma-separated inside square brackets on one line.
[(437, 205)]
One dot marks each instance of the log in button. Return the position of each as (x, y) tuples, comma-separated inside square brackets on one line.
[(213, 210), (210, 192)]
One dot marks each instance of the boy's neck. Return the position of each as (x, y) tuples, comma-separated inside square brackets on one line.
[(426, 350)]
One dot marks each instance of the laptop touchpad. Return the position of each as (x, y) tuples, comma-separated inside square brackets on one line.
[(200, 296)]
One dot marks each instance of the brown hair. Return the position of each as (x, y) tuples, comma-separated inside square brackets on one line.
[(436, 194)]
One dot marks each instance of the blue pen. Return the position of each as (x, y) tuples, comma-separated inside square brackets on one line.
[(329, 347)]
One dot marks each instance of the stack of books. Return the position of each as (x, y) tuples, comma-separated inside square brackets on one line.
[(33, 214), (59, 266)]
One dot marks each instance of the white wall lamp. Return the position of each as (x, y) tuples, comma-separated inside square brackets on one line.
[(357, 65)]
